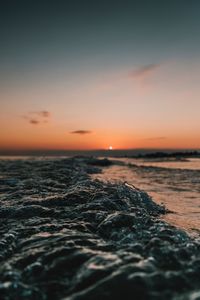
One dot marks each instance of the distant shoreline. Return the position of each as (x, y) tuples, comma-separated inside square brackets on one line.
[(130, 153)]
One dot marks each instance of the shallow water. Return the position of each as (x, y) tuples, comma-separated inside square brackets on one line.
[(176, 184)]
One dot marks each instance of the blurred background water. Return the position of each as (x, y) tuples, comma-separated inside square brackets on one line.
[(174, 183)]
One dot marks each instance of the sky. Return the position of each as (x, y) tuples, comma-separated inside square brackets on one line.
[(95, 74)]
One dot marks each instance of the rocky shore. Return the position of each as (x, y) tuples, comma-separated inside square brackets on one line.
[(66, 236)]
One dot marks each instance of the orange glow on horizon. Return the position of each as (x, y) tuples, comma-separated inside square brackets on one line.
[(18, 135), (157, 109), (50, 140)]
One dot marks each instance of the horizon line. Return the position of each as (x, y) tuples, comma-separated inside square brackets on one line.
[(9, 152)]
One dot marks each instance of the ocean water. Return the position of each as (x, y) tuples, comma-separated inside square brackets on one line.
[(173, 183), (60, 238), (176, 184)]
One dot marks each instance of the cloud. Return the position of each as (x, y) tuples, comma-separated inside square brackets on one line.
[(156, 138), (33, 121), (42, 113), (37, 117), (81, 132), (143, 71)]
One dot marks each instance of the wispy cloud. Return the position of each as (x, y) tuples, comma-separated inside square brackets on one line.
[(42, 113), (37, 117), (81, 132), (143, 71)]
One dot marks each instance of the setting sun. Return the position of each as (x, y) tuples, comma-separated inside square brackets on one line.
[(110, 148)]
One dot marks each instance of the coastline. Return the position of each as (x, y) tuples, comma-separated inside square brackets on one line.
[(69, 237)]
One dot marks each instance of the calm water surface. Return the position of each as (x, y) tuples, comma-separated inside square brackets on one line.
[(176, 184)]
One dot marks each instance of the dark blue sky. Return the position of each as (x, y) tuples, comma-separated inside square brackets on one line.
[(41, 34)]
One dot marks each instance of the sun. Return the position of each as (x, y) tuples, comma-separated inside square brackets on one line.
[(110, 147)]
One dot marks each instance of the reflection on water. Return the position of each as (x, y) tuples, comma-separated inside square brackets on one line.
[(187, 164), (176, 184)]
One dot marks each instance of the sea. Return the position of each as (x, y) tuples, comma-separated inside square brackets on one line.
[(174, 183)]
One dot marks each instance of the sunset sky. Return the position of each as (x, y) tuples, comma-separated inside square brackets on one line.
[(93, 74)]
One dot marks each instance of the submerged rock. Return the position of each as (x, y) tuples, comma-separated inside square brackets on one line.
[(65, 236)]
